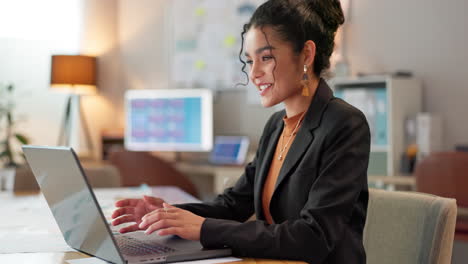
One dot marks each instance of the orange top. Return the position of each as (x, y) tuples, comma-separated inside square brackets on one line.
[(284, 142)]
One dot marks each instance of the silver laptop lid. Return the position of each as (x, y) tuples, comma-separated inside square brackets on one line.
[(72, 202)]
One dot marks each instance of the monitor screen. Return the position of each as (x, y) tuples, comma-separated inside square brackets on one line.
[(169, 120), (230, 150)]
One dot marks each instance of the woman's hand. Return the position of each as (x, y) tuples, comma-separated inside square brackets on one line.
[(171, 220), (132, 210)]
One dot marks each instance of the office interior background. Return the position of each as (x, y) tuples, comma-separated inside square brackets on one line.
[(132, 40)]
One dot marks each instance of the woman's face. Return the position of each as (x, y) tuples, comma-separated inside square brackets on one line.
[(273, 67)]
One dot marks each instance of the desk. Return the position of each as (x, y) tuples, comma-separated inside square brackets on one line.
[(27, 215), (61, 258), (223, 176), (226, 176), (405, 181)]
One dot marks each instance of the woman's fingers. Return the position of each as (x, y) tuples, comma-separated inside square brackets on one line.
[(153, 200), (179, 231), (123, 211), (130, 228), (165, 209), (123, 219), (159, 212), (156, 216), (127, 202), (161, 224)]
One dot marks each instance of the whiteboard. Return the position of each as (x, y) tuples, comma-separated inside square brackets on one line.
[(205, 42)]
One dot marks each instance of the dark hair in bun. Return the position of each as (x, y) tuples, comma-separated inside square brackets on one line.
[(297, 21)]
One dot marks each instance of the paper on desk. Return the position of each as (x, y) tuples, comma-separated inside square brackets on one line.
[(87, 261), (203, 261), (212, 261), (33, 243)]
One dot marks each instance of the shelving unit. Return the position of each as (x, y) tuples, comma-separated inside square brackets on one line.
[(387, 102)]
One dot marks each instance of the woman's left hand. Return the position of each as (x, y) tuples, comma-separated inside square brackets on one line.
[(171, 220)]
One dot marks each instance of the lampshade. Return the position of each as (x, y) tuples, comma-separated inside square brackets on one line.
[(74, 73)]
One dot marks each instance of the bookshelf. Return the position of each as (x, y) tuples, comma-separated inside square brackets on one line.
[(386, 101)]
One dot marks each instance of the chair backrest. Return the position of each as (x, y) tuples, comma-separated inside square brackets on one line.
[(103, 175), (24, 179), (444, 174), (141, 167), (99, 176), (408, 228)]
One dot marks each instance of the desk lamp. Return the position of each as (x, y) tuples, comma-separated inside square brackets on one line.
[(75, 74)]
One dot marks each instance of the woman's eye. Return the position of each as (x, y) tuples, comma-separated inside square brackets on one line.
[(265, 58), (249, 62)]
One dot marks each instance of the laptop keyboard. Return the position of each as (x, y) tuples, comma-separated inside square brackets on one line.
[(133, 247)]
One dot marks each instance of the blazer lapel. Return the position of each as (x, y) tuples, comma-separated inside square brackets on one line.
[(304, 136), (265, 167)]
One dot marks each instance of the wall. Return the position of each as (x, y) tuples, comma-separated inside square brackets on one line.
[(427, 37), (99, 38), (28, 38)]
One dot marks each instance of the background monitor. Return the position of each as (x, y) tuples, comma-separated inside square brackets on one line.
[(169, 120)]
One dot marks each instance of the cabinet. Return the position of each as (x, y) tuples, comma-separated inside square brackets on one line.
[(387, 102)]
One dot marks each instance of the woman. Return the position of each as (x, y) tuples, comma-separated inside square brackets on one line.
[(307, 184)]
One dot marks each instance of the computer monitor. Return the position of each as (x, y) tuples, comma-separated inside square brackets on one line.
[(169, 120)]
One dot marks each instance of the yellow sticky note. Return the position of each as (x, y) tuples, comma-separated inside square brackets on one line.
[(200, 65), (200, 11), (229, 41)]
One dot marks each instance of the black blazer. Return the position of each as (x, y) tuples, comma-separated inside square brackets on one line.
[(320, 200)]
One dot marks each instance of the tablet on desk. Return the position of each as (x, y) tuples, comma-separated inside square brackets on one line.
[(229, 150)]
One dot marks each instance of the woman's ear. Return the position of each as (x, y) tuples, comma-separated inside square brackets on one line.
[(309, 52)]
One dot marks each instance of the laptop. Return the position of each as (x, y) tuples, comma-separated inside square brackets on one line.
[(229, 150), (82, 222)]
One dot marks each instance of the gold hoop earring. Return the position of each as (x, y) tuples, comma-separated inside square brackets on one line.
[(305, 83)]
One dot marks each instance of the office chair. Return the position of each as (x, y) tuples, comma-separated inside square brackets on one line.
[(24, 179), (102, 175), (137, 168), (446, 174), (408, 228)]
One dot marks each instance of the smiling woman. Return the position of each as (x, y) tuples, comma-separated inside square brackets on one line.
[(307, 184)]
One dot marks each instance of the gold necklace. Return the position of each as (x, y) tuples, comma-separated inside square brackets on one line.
[(283, 148)]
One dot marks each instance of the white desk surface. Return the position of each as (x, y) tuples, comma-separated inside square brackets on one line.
[(29, 233)]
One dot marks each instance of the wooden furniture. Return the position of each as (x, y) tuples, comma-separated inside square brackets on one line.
[(446, 174), (61, 258)]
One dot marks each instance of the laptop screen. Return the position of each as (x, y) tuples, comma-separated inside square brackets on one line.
[(71, 201)]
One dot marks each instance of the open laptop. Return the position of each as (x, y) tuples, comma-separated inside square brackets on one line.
[(82, 223)]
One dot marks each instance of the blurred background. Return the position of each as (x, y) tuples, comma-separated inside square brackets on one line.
[(78, 72)]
